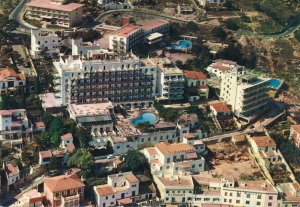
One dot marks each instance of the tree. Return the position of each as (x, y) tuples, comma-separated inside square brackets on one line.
[(231, 24), (69, 126), (109, 147), (219, 33), (145, 126), (83, 160), (135, 161), (84, 135)]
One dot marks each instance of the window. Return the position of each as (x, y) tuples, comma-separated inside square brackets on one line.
[(168, 160), (237, 201), (167, 191), (269, 204), (259, 196), (225, 193), (225, 200), (106, 197), (248, 195), (193, 166), (200, 165), (238, 194), (270, 197), (230, 194), (258, 203), (247, 202)]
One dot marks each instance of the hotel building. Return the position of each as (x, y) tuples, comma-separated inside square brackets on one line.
[(108, 77), (246, 93), (56, 12)]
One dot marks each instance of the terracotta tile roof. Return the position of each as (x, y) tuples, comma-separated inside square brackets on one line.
[(191, 155), (190, 136), (39, 125), (264, 141), (70, 147), (255, 185), (6, 73), (127, 30), (45, 154), (104, 190), (221, 67), (125, 201), (220, 107), (195, 75), (63, 182), (203, 87), (46, 4), (129, 176), (296, 128), (11, 111), (182, 181), (154, 24), (151, 150), (167, 149), (239, 138), (66, 136), (11, 170)]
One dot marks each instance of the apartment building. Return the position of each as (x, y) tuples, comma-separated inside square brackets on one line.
[(64, 190), (295, 135), (10, 80), (170, 81), (221, 67), (121, 189), (86, 49), (245, 93), (120, 79), (49, 42), (55, 12), (15, 128), (177, 159), (130, 35), (196, 87), (209, 190)]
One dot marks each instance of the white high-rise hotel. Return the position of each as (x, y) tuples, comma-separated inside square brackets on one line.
[(246, 93), (106, 77)]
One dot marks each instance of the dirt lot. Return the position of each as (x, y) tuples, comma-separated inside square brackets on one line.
[(228, 160)]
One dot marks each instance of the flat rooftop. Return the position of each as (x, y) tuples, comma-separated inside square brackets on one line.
[(91, 109), (49, 100), (127, 30), (166, 66), (154, 24), (47, 4)]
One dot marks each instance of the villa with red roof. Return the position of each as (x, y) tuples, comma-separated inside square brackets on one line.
[(64, 190), (196, 85), (64, 15), (9, 79), (219, 108), (15, 128)]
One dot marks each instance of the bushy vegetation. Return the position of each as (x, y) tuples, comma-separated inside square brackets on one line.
[(134, 161), (168, 114)]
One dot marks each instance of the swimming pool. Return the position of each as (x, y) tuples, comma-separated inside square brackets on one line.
[(145, 117), (181, 45), (275, 83)]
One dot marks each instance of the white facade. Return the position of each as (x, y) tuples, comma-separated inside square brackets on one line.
[(84, 48), (44, 41), (14, 126), (246, 94), (119, 79), (119, 186), (221, 67), (12, 173)]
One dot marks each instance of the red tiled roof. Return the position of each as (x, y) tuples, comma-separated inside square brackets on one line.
[(9, 112), (195, 75), (35, 200), (11, 170), (296, 128), (191, 155), (63, 182), (166, 148), (46, 154), (104, 190), (125, 201), (127, 30), (264, 141), (46, 4), (203, 87), (6, 73), (153, 24), (220, 107), (70, 147), (39, 125), (151, 150), (66, 136)]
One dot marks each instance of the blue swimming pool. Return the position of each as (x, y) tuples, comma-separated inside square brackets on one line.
[(181, 45), (144, 117), (274, 83)]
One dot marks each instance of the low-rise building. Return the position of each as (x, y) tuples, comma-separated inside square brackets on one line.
[(245, 93), (196, 85), (184, 9), (42, 41), (295, 135), (84, 48), (57, 13), (15, 128), (121, 189), (31, 198), (221, 67), (214, 3), (220, 109), (288, 194), (45, 157), (12, 175), (10, 80), (178, 159), (64, 190), (193, 139)]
